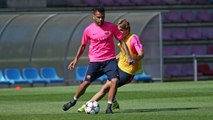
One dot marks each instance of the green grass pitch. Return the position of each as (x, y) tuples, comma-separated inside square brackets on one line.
[(142, 101)]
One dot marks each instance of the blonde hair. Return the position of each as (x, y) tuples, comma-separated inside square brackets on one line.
[(124, 24)]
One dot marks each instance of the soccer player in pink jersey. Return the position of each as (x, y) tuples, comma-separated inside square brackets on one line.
[(101, 54), (126, 70)]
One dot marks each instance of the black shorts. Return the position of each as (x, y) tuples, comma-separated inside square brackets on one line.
[(97, 69), (124, 78)]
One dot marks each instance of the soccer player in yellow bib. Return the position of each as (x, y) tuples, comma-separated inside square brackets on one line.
[(126, 70)]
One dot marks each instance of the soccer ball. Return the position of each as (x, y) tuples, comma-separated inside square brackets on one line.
[(92, 107)]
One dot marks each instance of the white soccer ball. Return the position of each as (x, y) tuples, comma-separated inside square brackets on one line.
[(92, 107)]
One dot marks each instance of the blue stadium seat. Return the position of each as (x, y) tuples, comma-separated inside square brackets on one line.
[(102, 78), (14, 76), (50, 74), (143, 77), (81, 72), (32, 75), (2, 79)]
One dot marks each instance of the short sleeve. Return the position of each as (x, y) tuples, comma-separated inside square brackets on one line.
[(118, 35), (136, 42), (85, 37)]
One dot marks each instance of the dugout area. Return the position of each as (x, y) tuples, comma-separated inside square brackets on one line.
[(52, 39)]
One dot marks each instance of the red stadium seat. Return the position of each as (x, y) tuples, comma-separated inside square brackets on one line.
[(210, 49), (205, 69)]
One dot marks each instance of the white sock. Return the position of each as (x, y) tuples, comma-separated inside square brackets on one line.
[(109, 102), (75, 98)]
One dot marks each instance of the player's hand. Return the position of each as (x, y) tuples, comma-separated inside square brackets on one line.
[(131, 61), (72, 64)]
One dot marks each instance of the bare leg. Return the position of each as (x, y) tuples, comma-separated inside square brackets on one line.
[(111, 95), (102, 92), (81, 89), (112, 90)]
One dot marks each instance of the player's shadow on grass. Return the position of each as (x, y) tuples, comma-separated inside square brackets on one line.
[(156, 110)]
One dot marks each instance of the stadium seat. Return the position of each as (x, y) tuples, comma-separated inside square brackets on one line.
[(173, 17), (124, 2), (80, 73), (155, 2), (179, 34), (172, 2), (169, 50), (143, 77), (167, 34), (14, 76), (199, 49), (56, 3), (193, 33), (165, 18), (108, 3), (75, 3), (50, 74), (92, 2), (188, 16), (186, 2), (200, 2), (204, 69), (32, 75), (183, 50), (187, 69), (211, 15), (172, 70), (203, 16), (102, 78), (210, 49), (207, 33), (2, 79), (140, 2)]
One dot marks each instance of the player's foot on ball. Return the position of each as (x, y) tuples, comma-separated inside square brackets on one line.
[(108, 111), (115, 105), (68, 105), (82, 108)]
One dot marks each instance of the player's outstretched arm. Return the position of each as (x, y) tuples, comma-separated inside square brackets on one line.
[(78, 55)]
